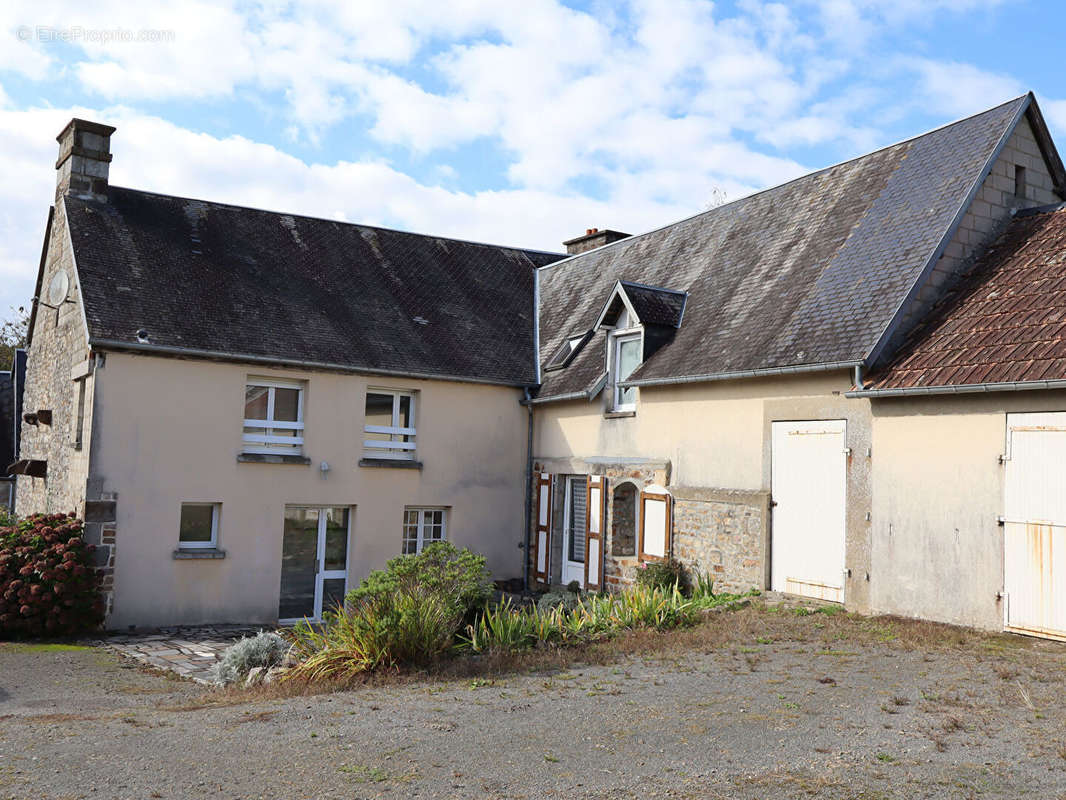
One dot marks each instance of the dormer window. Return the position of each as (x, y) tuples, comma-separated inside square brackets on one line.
[(625, 357), (638, 320)]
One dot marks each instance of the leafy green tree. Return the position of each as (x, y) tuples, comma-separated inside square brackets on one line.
[(13, 332)]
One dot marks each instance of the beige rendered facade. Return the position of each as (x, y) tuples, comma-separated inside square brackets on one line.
[(175, 434)]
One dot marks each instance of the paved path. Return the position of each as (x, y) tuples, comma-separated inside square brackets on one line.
[(190, 652)]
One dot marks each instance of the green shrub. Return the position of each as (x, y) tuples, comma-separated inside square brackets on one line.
[(665, 575), (567, 600), (264, 650), (48, 585), (703, 586), (408, 613), (458, 577)]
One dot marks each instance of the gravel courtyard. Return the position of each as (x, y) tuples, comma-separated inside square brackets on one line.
[(753, 704)]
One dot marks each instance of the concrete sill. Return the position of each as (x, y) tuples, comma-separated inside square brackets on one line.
[(389, 463), (187, 555), (271, 458), (619, 414)]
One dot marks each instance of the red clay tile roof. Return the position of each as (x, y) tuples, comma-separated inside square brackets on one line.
[(1004, 323)]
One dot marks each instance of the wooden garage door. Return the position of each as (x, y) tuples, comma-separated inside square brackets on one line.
[(1034, 530), (808, 484)]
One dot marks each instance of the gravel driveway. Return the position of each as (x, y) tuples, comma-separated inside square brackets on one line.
[(753, 704)]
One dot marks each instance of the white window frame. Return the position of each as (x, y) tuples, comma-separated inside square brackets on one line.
[(216, 512), (264, 442), (614, 343), (394, 447), (420, 537)]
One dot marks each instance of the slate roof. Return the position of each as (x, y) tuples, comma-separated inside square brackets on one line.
[(811, 272), (1005, 322), (655, 306), (206, 277)]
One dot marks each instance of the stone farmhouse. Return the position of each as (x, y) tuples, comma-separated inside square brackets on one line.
[(850, 387)]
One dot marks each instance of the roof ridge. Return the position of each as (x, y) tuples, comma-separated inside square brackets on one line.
[(336, 221), (804, 176)]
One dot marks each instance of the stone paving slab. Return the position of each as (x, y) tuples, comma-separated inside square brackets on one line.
[(190, 652)]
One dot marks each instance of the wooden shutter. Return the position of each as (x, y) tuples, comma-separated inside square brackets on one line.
[(656, 521), (542, 538), (594, 521)]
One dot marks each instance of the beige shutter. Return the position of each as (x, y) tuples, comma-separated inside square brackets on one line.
[(655, 526), (594, 533), (542, 538)]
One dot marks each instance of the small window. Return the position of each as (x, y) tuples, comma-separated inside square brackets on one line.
[(273, 416), (199, 526), (567, 351), (1019, 181), (422, 526), (389, 428), (79, 432), (625, 359)]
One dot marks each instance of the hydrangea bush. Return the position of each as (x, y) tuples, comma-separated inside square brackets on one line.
[(48, 586)]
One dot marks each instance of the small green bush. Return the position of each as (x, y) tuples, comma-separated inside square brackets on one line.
[(665, 575), (48, 586), (458, 577), (264, 650), (408, 613)]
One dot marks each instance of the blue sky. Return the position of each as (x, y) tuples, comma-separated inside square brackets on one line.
[(516, 122)]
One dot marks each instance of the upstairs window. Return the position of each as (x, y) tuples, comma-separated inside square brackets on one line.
[(389, 430), (273, 416), (1019, 181), (626, 358)]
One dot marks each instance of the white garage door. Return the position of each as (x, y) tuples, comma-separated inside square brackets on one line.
[(809, 475), (1034, 533)]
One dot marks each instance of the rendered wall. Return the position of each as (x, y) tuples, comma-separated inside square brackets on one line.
[(170, 431), (938, 490)]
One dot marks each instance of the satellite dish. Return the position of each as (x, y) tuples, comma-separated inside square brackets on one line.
[(58, 288)]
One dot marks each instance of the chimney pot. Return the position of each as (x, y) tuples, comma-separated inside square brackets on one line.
[(84, 160), (592, 239)]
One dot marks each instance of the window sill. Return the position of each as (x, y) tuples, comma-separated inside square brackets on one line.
[(619, 414), (192, 553), (272, 458), (390, 463)]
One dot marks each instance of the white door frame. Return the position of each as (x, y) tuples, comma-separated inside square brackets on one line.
[(320, 556), (571, 570)]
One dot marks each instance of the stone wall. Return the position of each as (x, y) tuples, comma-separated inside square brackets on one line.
[(618, 569), (723, 533), (57, 351), (58, 365)]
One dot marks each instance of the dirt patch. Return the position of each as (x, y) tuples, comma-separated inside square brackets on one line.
[(753, 704)]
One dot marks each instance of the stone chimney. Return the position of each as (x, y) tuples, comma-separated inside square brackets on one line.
[(84, 159), (592, 239)]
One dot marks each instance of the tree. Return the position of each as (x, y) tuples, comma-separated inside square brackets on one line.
[(13, 332)]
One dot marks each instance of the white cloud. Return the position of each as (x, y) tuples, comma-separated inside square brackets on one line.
[(960, 89), (654, 103)]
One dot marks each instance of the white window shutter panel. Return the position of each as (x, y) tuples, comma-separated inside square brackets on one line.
[(542, 534), (594, 522), (656, 522)]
